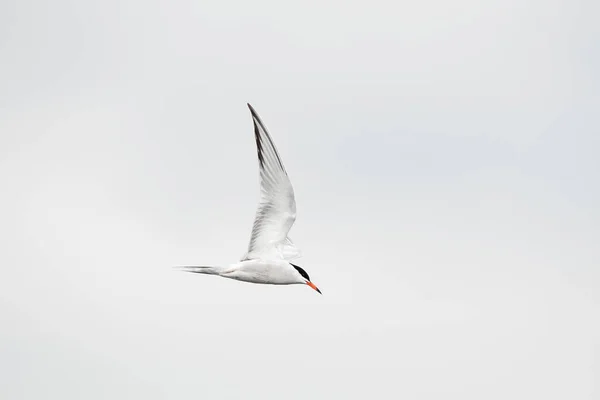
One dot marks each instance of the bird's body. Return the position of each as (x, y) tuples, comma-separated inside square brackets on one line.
[(273, 272), (270, 252)]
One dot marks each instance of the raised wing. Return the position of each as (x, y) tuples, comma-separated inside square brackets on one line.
[(277, 208)]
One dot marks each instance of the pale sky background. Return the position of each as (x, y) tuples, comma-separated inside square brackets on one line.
[(446, 163)]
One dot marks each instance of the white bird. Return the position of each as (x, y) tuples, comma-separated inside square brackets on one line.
[(269, 255)]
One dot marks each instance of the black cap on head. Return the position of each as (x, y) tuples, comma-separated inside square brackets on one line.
[(302, 272)]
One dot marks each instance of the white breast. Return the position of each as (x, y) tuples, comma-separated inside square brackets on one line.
[(274, 272)]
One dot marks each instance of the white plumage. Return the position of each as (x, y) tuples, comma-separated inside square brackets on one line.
[(277, 208), (270, 251)]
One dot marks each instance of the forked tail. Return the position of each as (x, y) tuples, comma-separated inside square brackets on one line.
[(200, 269)]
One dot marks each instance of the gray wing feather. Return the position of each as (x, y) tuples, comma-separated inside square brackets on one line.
[(277, 208)]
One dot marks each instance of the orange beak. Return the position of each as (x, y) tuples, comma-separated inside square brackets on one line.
[(312, 285)]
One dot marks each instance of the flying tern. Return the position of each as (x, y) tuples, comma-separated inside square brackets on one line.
[(270, 252)]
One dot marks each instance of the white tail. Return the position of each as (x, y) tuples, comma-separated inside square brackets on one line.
[(201, 269)]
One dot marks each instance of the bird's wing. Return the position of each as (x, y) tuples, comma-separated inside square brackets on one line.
[(277, 208)]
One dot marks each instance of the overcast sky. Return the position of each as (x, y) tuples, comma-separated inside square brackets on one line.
[(446, 163)]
